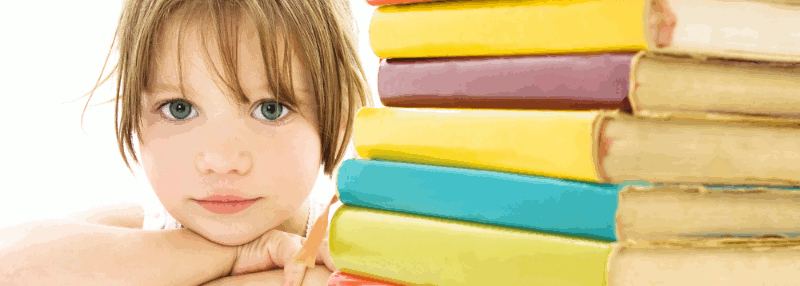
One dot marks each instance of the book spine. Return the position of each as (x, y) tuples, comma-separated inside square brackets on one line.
[(420, 250), (535, 203), (555, 82), (559, 144), (525, 27)]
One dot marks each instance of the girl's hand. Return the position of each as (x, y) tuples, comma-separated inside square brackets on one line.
[(275, 249)]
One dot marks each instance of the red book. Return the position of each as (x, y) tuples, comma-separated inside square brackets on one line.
[(392, 2), (553, 82), (345, 279)]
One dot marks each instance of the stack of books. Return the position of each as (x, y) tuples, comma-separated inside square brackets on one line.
[(528, 143)]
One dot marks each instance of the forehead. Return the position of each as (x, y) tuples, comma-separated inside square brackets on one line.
[(194, 53)]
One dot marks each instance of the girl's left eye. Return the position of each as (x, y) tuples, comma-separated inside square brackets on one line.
[(270, 110), (179, 110)]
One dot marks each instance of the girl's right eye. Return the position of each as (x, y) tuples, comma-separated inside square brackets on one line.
[(178, 110)]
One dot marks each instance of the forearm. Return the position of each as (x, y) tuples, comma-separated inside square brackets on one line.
[(317, 276), (74, 253)]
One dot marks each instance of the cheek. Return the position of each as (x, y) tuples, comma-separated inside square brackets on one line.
[(164, 158), (290, 164)]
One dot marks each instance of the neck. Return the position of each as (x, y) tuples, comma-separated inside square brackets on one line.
[(298, 222)]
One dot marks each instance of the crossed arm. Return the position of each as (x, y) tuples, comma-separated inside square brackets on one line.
[(60, 251)]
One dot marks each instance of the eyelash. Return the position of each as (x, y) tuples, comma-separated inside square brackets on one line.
[(279, 121), (281, 117)]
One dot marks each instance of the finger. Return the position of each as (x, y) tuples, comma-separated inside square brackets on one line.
[(293, 274), (285, 245), (324, 256), (255, 256)]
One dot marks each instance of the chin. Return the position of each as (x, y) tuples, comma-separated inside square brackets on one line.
[(231, 240), (229, 236)]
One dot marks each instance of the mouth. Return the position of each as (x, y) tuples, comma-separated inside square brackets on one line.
[(227, 205)]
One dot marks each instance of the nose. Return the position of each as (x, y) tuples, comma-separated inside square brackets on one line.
[(219, 163)]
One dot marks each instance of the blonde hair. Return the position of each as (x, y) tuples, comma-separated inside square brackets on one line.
[(321, 32)]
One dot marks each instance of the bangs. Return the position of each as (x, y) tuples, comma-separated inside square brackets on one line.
[(218, 27)]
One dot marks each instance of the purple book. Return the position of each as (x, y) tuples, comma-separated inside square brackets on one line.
[(554, 82)]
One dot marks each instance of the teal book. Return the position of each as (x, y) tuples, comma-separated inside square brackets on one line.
[(572, 208)]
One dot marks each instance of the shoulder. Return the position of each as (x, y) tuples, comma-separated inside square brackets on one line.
[(121, 215)]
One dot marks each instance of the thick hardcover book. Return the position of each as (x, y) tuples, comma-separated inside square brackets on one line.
[(339, 278), (595, 146), (711, 261), (566, 82), (537, 203), (665, 85), (418, 250), (522, 27), (697, 211)]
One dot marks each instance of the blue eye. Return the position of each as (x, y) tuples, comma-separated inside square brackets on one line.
[(179, 110), (270, 110)]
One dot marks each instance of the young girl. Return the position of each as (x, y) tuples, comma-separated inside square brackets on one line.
[(235, 106)]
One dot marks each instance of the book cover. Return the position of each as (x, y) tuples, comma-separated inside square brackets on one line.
[(418, 250), (543, 204), (593, 146), (555, 82), (494, 28)]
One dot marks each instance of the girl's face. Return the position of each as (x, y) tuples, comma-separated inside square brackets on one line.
[(201, 143)]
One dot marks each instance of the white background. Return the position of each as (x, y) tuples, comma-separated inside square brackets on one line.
[(52, 52)]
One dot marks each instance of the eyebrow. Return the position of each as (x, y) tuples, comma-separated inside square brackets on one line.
[(160, 88), (169, 88)]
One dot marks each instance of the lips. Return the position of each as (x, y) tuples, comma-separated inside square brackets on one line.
[(226, 204), (224, 198)]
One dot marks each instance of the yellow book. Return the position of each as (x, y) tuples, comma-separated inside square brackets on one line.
[(594, 146), (729, 29), (418, 250)]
